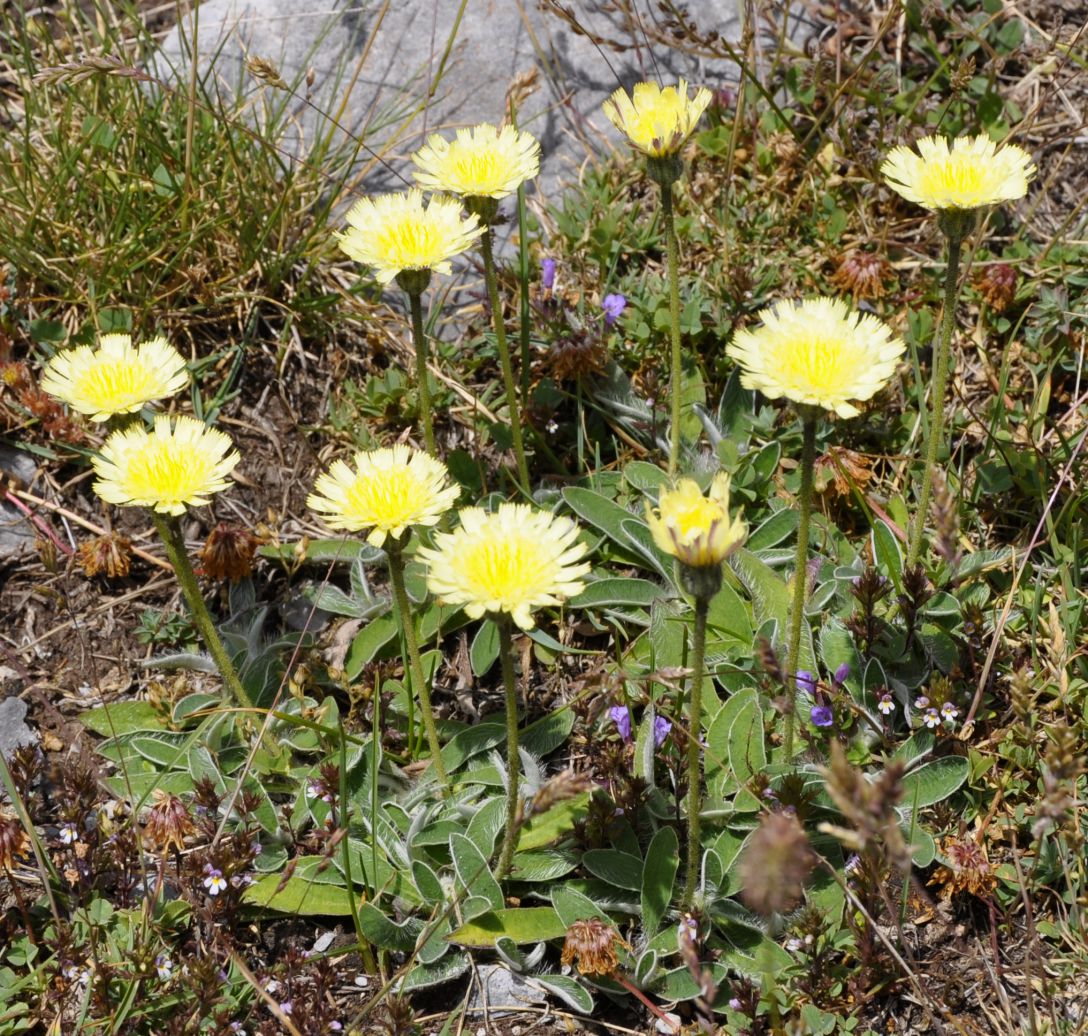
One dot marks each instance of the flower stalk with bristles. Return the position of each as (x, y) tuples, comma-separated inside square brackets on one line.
[(173, 466), (700, 534), (406, 241), (483, 165), (955, 182), (820, 355), (657, 122), (507, 564), (389, 492)]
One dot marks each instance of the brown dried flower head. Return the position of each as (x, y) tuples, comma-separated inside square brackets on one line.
[(862, 274), (13, 840), (168, 823), (839, 472), (576, 356), (968, 869), (109, 554), (591, 946), (997, 286), (228, 552), (775, 864)]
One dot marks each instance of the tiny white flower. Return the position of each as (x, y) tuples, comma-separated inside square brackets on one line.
[(921, 702), (949, 711), (932, 719), (214, 882), (68, 834), (886, 705), (164, 967)]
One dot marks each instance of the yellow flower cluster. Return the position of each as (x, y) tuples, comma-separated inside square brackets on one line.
[(972, 173), (178, 464), (695, 529), (388, 491), (817, 353), (115, 378), (657, 121), (511, 561)]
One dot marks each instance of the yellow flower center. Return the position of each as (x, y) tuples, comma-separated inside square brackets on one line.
[(508, 570), (412, 244), (958, 175), (158, 470), (691, 514), (824, 363), (110, 384), (389, 499)]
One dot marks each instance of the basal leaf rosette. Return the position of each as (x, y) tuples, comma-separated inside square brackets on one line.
[(657, 120), (481, 162), (394, 233), (817, 352), (116, 377), (387, 491), (179, 463), (695, 529), (971, 173), (511, 561)]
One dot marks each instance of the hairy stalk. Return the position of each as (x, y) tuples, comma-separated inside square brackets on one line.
[(695, 750), (415, 300), (169, 530), (675, 368), (940, 384), (415, 664), (800, 576), (513, 412), (513, 760)]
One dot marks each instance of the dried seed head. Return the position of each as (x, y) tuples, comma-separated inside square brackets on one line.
[(228, 552), (840, 472), (109, 554), (266, 72), (591, 945), (997, 286), (968, 869), (862, 274), (13, 840), (576, 356), (775, 864), (168, 823)]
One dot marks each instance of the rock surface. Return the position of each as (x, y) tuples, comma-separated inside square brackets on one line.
[(14, 733), (372, 62), (16, 533)]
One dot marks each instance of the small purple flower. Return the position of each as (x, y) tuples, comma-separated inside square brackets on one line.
[(949, 711), (806, 682), (886, 705), (287, 1007), (921, 702), (335, 1026), (547, 274), (622, 718), (613, 306), (661, 730), (841, 674), (932, 719), (734, 1004), (822, 716), (214, 882)]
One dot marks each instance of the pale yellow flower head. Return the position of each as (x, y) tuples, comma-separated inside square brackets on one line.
[(973, 173), (395, 232), (657, 121), (511, 561), (115, 378), (178, 464), (387, 491), (817, 352), (695, 529), (482, 162)]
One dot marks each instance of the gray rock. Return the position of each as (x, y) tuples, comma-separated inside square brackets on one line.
[(499, 988), (16, 533), (381, 81), (14, 733)]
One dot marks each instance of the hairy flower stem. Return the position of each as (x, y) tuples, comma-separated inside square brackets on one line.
[(695, 750), (169, 530), (675, 367), (940, 384), (513, 413), (513, 760), (420, 340), (415, 664), (800, 574)]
